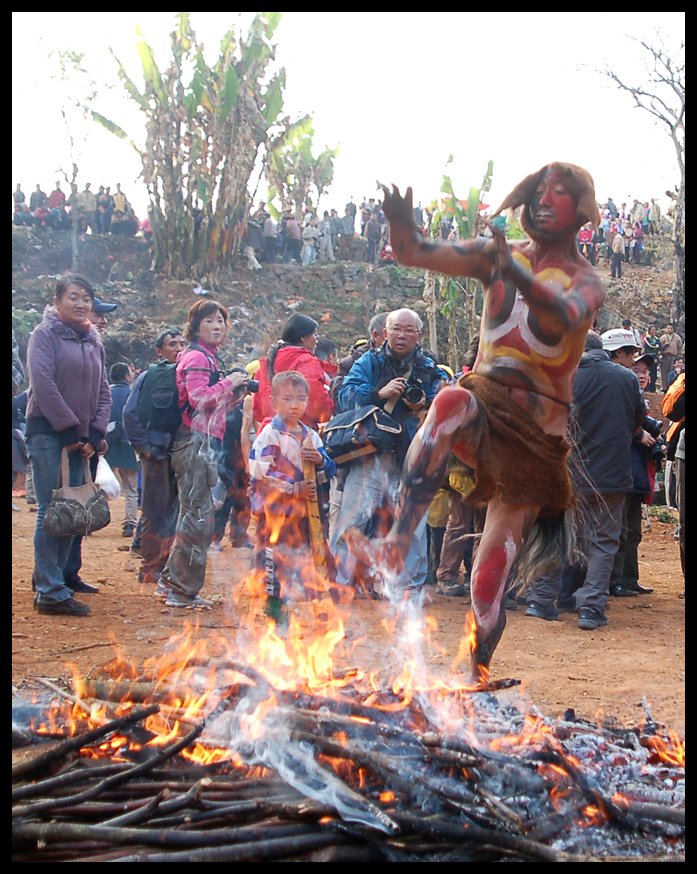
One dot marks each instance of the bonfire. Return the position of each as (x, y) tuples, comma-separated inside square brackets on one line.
[(273, 746)]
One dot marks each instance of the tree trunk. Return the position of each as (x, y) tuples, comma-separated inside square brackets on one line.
[(74, 249), (429, 296), (677, 314)]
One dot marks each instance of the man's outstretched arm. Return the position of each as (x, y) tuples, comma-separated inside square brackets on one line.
[(469, 258)]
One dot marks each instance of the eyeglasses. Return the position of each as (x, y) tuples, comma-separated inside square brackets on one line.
[(398, 329)]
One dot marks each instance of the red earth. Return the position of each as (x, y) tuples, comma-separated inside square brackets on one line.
[(636, 662)]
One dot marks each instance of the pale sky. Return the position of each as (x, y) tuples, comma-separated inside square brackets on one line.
[(397, 92)]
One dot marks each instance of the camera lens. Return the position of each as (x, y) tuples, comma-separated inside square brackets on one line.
[(653, 426), (252, 386), (414, 394)]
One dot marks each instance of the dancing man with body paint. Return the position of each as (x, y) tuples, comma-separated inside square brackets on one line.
[(508, 418)]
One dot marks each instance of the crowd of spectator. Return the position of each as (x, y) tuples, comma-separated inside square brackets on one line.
[(621, 234), (360, 234), (255, 452), (253, 445), (99, 212)]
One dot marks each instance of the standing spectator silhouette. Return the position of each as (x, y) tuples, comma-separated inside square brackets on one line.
[(347, 232), (37, 199), (120, 455), (326, 244), (654, 218), (373, 233), (159, 498), (607, 412), (270, 240), (653, 347), (68, 407), (672, 347), (373, 482), (618, 249), (18, 198), (231, 492), (205, 395), (646, 452), (73, 565), (292, 237)]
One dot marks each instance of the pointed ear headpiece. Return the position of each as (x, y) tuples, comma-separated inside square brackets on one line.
[(580, 184)]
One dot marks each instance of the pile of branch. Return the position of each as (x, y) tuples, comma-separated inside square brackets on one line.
[(342, 780)]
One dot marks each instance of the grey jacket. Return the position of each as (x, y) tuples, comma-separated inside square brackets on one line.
[(68, 387)]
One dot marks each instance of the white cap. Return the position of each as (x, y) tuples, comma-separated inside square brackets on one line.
[(618, 338)]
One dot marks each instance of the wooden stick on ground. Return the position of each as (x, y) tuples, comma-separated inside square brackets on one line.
[(63, 748)]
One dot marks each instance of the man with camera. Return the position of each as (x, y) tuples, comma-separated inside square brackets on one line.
[(403, 381)]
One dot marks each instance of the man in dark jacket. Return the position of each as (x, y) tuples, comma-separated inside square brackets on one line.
[(372, 482), (607, 413), (159, 505), (120, 455)]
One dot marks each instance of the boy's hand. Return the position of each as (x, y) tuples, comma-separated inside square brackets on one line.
[(313, 455), (307, 490)]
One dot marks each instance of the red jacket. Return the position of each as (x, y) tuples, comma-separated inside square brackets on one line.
[(320, 404)]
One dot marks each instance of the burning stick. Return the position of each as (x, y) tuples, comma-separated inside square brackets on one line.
[(72, 744), (317, 543), (114, 780)]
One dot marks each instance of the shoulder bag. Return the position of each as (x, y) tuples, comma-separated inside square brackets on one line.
[(361, 431), (75, 511)]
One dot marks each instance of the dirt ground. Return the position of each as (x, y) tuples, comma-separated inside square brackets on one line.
[(607, 674)]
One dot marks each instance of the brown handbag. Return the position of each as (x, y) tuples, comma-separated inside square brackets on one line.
[(75, 511)]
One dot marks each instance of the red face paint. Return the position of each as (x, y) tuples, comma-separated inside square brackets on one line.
[(553, 207)]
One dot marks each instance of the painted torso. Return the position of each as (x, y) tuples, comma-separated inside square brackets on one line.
[(521, 350)]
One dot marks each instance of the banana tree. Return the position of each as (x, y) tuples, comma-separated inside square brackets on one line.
[(206, 128), (294, 175), (458, 298)]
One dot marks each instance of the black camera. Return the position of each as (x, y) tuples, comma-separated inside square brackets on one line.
[(252, 386), (653, 426), (414, 394)]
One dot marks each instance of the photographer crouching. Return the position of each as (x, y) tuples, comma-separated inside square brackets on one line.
[(403, 381)]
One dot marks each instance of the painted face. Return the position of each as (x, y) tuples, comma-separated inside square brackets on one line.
[(74, 306), (553, 207), (172, 347), (290, 402), (212, 329)]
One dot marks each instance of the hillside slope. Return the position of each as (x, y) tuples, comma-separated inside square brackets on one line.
[(341, 296)]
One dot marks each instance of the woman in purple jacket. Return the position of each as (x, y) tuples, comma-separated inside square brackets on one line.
[(68, 407)]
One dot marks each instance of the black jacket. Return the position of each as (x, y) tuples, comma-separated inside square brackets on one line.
[(607, 410)]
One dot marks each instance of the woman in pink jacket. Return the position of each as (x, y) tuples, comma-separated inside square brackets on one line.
[(206, 395)]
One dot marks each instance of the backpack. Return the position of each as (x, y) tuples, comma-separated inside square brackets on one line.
[(158, 404)]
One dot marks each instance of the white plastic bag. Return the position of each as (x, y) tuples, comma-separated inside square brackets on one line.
[(106, 479)]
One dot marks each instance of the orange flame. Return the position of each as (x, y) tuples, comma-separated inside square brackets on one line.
[(670, 750)]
